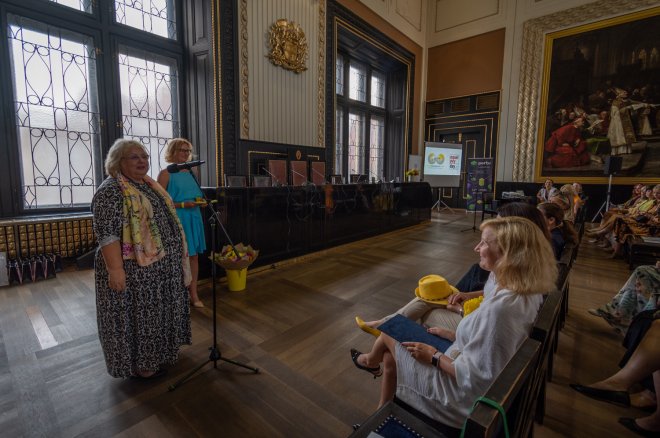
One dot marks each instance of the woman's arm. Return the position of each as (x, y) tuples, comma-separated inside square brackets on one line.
[(113, 260), (164, 178)]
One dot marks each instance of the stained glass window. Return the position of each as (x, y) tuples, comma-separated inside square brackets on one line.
[(81, 5), (355, 143), (357, 82), (378, 89), (149, 104), (57, 113), (339, 141), (153, 16), (339, 73), (377, 147)]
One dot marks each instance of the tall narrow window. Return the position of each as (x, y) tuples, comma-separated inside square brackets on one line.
[(357, 84), (355, 143), (339, 73), (149, 104), (378, 89), (377, 147), (154, 16), (339, 141), (57, 114)]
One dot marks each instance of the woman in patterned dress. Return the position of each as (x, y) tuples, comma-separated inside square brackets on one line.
[(141, 268), (184, 191)]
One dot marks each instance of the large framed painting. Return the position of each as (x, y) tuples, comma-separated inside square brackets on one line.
[(600, 98)]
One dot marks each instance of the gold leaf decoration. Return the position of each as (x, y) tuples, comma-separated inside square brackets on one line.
[(288, 45)]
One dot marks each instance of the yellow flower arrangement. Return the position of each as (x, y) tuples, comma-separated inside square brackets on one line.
[(412, 172)]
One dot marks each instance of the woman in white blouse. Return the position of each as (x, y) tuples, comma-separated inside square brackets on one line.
[(444, 386)]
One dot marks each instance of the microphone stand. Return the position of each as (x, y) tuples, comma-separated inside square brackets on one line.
[(214, 351)]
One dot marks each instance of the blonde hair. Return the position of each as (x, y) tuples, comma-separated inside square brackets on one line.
[(116, 153), (172, 146), (527, 265)]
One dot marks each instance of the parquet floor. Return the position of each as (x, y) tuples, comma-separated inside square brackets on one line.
[(295, 323)]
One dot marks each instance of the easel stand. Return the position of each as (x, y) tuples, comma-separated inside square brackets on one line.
[(606, 205), (441, 202), (474, 217), (214, 355)]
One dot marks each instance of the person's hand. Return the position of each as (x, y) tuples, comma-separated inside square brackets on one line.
[(456, 298), (421, 352), (456, 308), (117, 279), (442, 332)]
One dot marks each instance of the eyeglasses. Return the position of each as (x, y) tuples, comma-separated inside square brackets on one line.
[(185, 150), (144, 157)]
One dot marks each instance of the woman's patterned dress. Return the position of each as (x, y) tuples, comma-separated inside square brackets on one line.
[(142, 327)]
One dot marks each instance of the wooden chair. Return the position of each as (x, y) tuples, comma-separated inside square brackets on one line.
[(510, 390), (488, 205), (397, 415), (261, 181), (235, 181), (336, 179)]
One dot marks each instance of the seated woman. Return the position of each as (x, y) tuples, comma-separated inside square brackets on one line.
[(644, 361), (444, 386), (561, 231), (644, 224), (641, 292), (643, 203), (564, 199), (470, 286)]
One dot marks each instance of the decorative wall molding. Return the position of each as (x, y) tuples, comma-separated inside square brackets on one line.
[(453, 13), (531, 70), (245, 89), (320, 135), (404, 8)]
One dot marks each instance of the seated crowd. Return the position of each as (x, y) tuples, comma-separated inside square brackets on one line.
[(489, 313)]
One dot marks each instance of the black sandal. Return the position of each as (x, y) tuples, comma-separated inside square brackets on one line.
[(376, 372)]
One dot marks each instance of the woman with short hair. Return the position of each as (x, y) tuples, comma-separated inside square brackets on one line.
[(141, 268)]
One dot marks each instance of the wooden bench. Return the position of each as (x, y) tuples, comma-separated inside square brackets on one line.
[(511, 391), (546, 331), (641, 253)]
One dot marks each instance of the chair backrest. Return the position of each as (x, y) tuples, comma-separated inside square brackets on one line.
[(261, 181), (355, 178), (278, 171), (509, 390), (336, 179), (317, 172), (298, 172), (235, 181)]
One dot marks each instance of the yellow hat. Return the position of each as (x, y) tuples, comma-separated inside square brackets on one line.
[(434, 289)]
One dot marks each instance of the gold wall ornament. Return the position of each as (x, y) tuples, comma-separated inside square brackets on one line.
[(288, 45)]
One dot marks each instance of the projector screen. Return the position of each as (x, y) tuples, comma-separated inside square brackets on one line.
[(442, 164)]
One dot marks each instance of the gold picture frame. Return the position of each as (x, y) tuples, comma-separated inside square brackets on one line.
[(585, 71)]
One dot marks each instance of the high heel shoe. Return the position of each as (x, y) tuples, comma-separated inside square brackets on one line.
[(376, 371), (372, 331)]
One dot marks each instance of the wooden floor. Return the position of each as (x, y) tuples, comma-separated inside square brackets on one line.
[(296, 324)]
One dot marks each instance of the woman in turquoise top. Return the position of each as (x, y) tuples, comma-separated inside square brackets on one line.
[(185, 193)]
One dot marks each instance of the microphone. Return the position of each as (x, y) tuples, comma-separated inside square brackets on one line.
[(318, 173), (174, 168), (300, 174), (276, 182)]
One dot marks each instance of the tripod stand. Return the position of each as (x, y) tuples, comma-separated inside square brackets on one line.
[(441, 202), (474, 217), (606, 205), (214, 355)]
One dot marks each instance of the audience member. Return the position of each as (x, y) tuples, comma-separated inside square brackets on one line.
[(564, 199), (547, 191), (185, 193), (141, 268), (444, 386), (644, 362), (641, 292), (561, 231)]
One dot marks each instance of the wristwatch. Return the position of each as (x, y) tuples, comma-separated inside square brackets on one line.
[(436, 358)]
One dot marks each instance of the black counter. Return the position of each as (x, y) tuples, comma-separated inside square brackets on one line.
[(286, 222)]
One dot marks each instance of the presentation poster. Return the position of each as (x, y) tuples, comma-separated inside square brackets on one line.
[(479, 180), (442, 161)]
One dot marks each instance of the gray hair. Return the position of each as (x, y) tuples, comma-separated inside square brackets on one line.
[(116, 153)]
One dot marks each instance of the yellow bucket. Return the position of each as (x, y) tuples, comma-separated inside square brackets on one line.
[(236, 279)]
